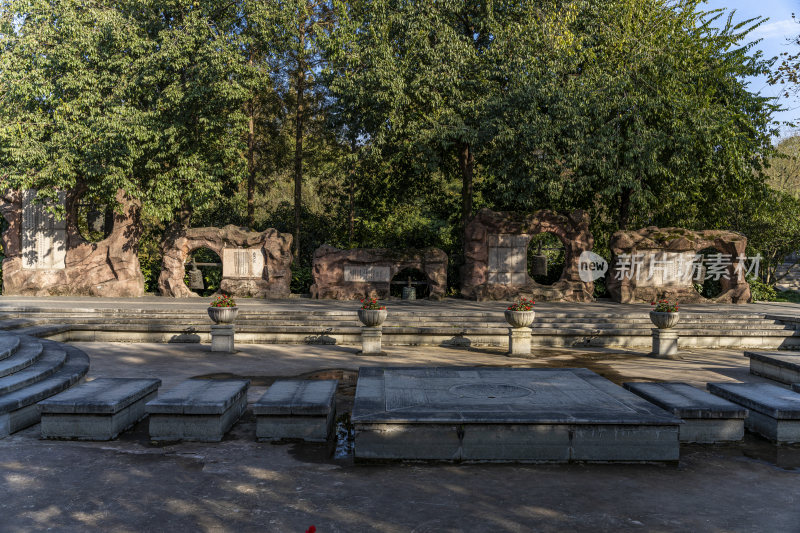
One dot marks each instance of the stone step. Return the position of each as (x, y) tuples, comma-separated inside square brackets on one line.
[(197, 410), (351, 314), (8, 345), (774, 412), (749, 325), (778, 366), (18, 409), (52, 359), (706, 418), (29, 351), (98, 410)]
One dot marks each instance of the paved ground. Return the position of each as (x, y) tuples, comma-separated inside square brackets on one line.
[(240, 485)]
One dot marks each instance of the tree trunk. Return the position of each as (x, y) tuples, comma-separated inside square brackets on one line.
[(466, 161), (351, 214), (298, 152), (624, 208), (251, 167), (251, 156)]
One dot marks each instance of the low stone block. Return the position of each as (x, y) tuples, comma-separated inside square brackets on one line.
[(222, 338), (773, 412), (780, 366), (97, 410), (519, 342), (198, 410), (706, 418), (665, 343), (296, 409)]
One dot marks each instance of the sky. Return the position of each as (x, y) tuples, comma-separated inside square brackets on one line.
[(774, 35)]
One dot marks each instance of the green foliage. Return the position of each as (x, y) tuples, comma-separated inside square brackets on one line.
[(760, 291), (410, 114), (139, 96), (302, 279)]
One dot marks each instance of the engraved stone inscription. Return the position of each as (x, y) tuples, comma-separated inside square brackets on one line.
[(367, 273), (242, 263), (43, 236), (664, 269), (508, 259)]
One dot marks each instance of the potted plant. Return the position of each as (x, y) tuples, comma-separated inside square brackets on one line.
[(371, 314), (223, 310), (520, 314), (664, 314)]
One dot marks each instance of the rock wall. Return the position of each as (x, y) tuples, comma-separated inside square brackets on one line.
[(106, 268), (667, 252), (255, 264), (496, 265), (367, 272)]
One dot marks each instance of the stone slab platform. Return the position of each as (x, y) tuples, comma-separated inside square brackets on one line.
[(773, 411), (198, 410), (780, 366), (706, 418), (296, 409), (97, 410), (506, 415)]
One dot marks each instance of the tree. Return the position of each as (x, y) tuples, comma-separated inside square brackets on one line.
[(413, 79), (783, 173), (641, 115), (298, 25), (136, 96)]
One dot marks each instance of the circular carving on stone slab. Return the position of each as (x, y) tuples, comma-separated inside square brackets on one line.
[(489, 390)]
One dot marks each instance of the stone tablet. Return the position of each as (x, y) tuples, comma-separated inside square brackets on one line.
[(296, 409), (242, 263), (774, 412), (509, 414), (367, 274), (44, 238), (97, 410), (198, 410), (707, 418), (508, 259)]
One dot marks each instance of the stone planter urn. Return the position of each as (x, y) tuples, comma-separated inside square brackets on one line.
[(372, 317), (223, 315), (663, 320), (519, 319)]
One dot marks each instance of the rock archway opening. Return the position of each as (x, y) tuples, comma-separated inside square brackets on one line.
[(203, 269), (545, 258), (410, 277)]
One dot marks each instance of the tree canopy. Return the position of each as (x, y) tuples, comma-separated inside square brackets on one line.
[(387, 122)]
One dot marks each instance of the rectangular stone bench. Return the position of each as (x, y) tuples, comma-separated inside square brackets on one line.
[(773, 411), (706, 418), (198, 410), (780, 366), (97, 410), (296, 409)]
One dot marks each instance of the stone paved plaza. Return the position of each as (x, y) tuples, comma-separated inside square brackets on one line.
[(243, 485)]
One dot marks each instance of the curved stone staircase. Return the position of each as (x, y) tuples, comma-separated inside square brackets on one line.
[(31, 370)]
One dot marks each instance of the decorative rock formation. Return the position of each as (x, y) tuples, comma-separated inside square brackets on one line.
[(368, 272), (253, 264), (496, 266), (48, 257), (654, 263)]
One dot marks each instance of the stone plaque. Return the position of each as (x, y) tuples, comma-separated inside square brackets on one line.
[(508, 259), (242, 263), (44, 238), (664, 269), (367, 274)]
